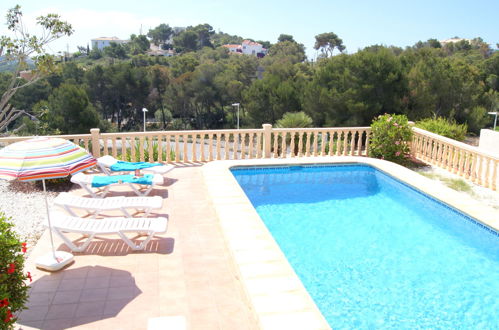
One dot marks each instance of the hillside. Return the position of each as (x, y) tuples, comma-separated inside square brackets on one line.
[(195, 89)]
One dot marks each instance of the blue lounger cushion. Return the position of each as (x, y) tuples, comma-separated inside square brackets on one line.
[(121, 166), (101, 181)]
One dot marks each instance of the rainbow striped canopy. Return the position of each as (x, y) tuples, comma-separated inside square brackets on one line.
[(43, 158)]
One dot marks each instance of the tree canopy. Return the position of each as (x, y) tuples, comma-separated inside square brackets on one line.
[(327, 42), (195, 89), (22, 48), (285, 37), (161, 34), (138, 44)]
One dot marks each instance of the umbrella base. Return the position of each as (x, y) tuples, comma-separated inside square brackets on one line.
[(47, 262)]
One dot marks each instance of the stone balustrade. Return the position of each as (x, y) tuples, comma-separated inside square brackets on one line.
[(199, 146), (208, 145), (456, 157)]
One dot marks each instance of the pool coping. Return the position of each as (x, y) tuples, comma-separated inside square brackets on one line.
[(277, 295)]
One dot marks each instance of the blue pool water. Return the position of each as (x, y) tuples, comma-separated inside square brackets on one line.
[(375, 253)]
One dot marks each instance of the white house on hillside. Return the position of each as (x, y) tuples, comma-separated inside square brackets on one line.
[(247, 47), (251, 47), (103, 42), (452, 40), (234, 48)]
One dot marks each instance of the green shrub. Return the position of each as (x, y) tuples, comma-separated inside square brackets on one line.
[(13, 287), (477, 119), (157, 156), (445, 127), (294, 120), (390, 135)]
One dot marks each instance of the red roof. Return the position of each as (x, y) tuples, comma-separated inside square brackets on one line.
[(251, 43), (231, 46)]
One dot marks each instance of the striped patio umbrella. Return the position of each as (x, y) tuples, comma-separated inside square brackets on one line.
[(39, 159), (43, 158)]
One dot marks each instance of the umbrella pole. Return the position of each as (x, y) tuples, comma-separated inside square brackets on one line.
[(48, 219)]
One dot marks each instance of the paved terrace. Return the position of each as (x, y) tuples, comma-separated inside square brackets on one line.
[(185, 276)]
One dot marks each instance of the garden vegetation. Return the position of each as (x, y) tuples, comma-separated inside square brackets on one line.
[(195, 89), (13, 280)]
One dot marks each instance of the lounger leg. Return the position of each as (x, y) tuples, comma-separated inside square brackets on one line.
[(141, 246), (89, 190), (147, 191), (104, 169), (141, 193), (125, 212), (69, 210), (94, 214), (135, 189), (73, 246), (104, 191), (145, 210)]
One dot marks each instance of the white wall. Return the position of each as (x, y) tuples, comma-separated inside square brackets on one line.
[(489, 141), (101, 44), (251, 49)]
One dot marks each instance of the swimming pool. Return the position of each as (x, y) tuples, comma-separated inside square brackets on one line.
[(374, 252)]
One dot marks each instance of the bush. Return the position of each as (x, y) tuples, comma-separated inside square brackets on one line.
[(477, 119), (390, 135), (157, 156), (294, 120), (13, 287), (445, 127)]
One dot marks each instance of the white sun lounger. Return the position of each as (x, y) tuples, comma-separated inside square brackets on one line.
[(94, 206), (105, 163), (85, 181), (63, 223)]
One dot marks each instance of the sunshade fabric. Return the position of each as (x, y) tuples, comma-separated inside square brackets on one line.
[(43, 158)]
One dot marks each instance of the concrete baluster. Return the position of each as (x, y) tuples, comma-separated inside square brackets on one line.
[(267, 140), (150, 145), (95, 132), (251, 138), (283, 145), (210, 147)]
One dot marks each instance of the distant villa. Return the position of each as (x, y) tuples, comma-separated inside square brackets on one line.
[(247, 47), (453, 41), (103, 42)]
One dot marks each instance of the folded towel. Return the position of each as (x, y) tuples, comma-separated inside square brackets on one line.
[(100, 181), (121, 166)]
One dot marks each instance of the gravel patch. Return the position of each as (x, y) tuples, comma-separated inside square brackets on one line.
[(24, 203), (483, 195)]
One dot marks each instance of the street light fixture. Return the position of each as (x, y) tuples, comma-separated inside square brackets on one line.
[(237, 105), (144, 110), (495, 119)]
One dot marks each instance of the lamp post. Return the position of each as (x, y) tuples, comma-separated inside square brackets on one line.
[(495, 118), (144, 110), (237, 105)]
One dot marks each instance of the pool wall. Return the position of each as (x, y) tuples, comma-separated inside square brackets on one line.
[(277, 295)]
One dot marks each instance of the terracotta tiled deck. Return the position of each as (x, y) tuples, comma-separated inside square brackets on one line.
[(185, 275)]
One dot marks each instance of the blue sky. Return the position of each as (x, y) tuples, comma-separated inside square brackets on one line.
[(358, 23)]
